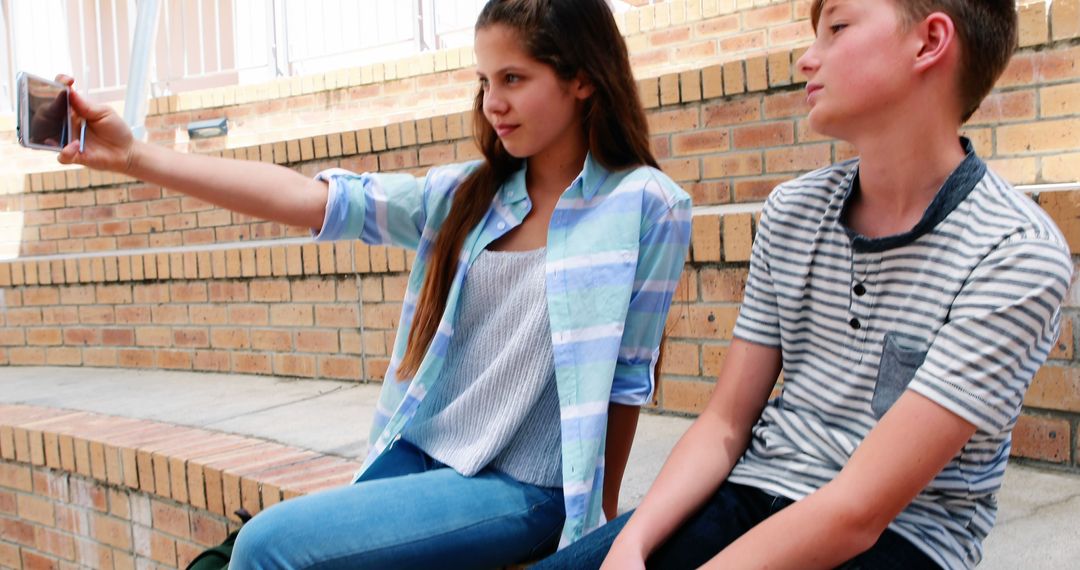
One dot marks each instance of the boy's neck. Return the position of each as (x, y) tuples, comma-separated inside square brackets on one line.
[(901, 169)]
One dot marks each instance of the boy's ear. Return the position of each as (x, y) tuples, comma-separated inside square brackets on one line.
[(937, 35)]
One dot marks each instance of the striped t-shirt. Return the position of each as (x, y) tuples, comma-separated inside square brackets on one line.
[(963, 309)]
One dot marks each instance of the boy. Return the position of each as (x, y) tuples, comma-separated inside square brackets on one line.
[(909, 297)]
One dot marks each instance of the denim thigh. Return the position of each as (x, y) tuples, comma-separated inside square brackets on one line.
[(410, 513), (731, 511)]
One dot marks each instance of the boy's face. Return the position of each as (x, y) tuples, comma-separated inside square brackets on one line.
[(857, 67)]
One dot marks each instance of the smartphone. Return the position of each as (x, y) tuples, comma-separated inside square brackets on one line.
[(44, 118)]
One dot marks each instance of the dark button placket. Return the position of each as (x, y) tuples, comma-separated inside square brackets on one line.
[(864, 266)]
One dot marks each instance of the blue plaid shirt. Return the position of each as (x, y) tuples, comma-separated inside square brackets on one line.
[(616, 245)]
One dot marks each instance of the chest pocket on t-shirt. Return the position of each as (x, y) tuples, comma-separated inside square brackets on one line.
[(900, 359)]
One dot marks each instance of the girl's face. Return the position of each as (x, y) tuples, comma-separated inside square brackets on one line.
[(530, 108)]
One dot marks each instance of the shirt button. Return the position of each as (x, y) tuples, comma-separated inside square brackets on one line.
[(859, 289), (855, 324), (501, 226)]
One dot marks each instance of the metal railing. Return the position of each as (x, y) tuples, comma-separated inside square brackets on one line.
[(211, 43)]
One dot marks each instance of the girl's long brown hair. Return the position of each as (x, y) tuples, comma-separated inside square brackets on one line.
[(577, 38)]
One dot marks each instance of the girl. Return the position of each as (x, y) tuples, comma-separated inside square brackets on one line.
[(533, 316)]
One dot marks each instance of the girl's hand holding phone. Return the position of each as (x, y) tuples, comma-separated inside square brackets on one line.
[(109, 144)]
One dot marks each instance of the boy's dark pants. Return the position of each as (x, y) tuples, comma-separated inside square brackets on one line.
[(732, 511)]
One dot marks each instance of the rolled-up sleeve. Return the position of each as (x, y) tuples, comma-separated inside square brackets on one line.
[(661, 255), (379, 209)]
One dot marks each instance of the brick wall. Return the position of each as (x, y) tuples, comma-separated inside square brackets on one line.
[(54, 519), (84, 490), (88, 293)]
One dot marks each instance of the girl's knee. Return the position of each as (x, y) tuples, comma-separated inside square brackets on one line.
[(263, 543)]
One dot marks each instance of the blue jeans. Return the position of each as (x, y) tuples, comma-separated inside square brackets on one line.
[(407, 511), (732, 510)]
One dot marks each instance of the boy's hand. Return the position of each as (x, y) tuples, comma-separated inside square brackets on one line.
[(109, 143)]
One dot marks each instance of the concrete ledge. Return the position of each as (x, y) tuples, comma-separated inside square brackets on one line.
[(217, 442)]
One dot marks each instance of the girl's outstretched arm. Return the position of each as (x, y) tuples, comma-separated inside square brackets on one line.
[(257, 189)]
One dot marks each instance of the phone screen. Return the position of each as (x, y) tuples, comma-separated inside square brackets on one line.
[(47, 123)]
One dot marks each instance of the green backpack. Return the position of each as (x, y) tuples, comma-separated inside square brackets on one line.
[(218, 557)]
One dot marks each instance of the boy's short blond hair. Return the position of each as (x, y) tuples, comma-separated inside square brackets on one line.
[(987, 30)]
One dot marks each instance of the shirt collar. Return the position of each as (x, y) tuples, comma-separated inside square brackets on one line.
[(591, 178), (956, 188)]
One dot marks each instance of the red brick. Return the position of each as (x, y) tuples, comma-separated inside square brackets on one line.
[(723, 285), (1005, 107), (756, 189), (191, 337), (133, 358), (673, 121), (206, 530), (110, 531), (34, 561), (1055, 388), (735, 112), (764, 135), (345, 368), (680, 358), (44, 336), (712, 359), (7, 503), (37, 510), (9, 556), (703, 321), (174, 360), (768, 16), (705, 239), (229, 338), (54, 543), (77, 295), (269, 290), (88, 495), (337, 315), (686, 396), (17, 531), (712, 192), (170, 519), (700, 142), (228, 292), (1042, 438), (162, 549), (250, 363), (291, 315), (248, 314), (316, 290)]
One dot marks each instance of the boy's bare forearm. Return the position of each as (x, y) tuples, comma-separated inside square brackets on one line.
[(706, 453), (902, 454), (698, 464), (262, 190)]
